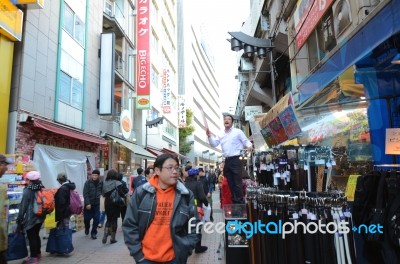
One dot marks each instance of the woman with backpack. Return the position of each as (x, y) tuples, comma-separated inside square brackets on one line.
[(62, 201), (113, 210), (27, 220)]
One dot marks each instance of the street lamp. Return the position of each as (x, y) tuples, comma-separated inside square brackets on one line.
[(202, 158), (252, 46), (150, 124)]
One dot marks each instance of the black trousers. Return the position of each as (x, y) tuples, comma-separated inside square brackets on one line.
[(233, 170), (3, 259), (34, 240), (88, 215)]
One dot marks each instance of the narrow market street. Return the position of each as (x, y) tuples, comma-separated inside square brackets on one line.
[(90, 251)]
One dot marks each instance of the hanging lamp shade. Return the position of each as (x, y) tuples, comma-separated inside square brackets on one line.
[(262, 52), (236, 45), (248, 50)]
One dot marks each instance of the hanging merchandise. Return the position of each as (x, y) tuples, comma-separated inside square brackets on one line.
[(377, 203), (300, 227)]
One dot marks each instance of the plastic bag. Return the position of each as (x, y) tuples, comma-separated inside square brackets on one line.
[(207, 213)]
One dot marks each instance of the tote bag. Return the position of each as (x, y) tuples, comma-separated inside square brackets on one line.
[(16, 246)]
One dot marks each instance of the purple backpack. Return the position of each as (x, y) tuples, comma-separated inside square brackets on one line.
[(75, 203)]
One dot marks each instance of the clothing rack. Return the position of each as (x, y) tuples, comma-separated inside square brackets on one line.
[(272, 205)]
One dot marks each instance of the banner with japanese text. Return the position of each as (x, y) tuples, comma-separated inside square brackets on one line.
[(143, 55), (166, 90), (181, 111)]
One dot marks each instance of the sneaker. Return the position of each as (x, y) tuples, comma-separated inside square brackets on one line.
[(93, 236), (100, 226), (86, 231), (30, 260), (201, 249)]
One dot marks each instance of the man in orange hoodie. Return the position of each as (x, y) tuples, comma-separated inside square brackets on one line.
[(156, 225)]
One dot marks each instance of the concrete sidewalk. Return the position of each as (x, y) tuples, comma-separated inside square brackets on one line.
[(88, 251)]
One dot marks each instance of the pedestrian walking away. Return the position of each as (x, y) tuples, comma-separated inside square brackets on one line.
[(157, 218), (113, 211), (29, 221), (91, 195), (232, 141)]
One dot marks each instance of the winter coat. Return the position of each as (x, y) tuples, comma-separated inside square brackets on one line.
[(197, 188), (111, 210), (92, 192), (140, 213), (62, 199), (26, 216)]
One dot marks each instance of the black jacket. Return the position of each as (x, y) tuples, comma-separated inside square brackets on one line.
[(140, 213), (197, 188), (61, 199), (92, 192), (206, 184)]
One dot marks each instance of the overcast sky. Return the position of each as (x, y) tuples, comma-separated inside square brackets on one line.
[(219, 17)]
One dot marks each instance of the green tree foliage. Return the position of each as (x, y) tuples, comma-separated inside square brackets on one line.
[(184, 133)]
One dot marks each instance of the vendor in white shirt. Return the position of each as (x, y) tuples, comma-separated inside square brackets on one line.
[(232, 141)]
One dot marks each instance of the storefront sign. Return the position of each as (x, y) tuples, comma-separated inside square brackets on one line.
[(252, 110), (143, 55), (392, 141), (35, 4), (166, 86), (182, 111), (126, 123), (289, 122), (10, 20), (311, 14), (277, 130), (268, 137)]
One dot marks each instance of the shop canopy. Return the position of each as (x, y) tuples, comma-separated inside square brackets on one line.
[(59, 129), (138, 150)]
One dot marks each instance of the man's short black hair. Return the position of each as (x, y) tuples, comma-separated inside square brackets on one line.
[(201, 170), (188, 167), (139, 171), (147, 171)]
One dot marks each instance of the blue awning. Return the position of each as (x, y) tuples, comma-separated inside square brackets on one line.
[(382, 26)]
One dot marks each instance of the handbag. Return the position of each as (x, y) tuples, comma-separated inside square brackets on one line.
[(116, 198), (60, 241), (16, 246)]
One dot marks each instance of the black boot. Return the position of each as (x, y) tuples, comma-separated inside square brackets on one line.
[(106, 233), (112, 239)]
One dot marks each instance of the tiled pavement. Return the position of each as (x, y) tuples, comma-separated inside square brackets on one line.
[(89, 251)]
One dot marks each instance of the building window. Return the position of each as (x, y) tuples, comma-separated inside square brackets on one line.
[(170, 129), (74, 26), (154, 76), (70, 91)]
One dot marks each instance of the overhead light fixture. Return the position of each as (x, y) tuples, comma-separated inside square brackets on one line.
[(396, 59), (236, 45)]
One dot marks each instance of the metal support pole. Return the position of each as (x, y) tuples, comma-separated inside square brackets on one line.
[(272, 67)]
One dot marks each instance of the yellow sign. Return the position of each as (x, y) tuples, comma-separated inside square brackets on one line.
[(33, 3), (351, 187), (10, 20)]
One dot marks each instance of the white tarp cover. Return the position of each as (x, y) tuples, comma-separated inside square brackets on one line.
[(50, 161)]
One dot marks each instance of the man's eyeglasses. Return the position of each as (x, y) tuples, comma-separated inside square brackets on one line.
[(171, 169)]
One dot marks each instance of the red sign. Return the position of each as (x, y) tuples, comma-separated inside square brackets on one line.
[(143, 55), (310, 19)]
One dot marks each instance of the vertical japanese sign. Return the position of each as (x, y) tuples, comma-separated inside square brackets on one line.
[(143, 55), (166, 90), (182, 111)]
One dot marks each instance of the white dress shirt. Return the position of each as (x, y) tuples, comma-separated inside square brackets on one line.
[(232, 142)]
